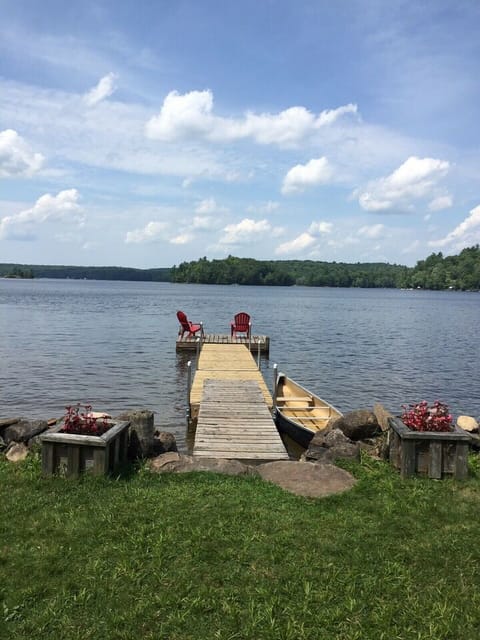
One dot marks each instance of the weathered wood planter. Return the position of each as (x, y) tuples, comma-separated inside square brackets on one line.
[(428, 453), (70, 454)]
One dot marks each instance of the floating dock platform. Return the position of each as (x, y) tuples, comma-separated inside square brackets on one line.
[(215, 338), (231, 405)]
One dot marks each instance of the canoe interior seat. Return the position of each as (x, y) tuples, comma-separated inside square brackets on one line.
[(294, 398)]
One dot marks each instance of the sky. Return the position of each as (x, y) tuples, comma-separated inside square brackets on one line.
[(144, 134)]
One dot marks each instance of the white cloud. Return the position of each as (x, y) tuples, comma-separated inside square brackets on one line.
[(415, 178), (62, 207), (263, 208), (182, 238), (16, 157), (209, 206), (320, 228), (151, 232), (105, 87), (191, 114), (204, 223), (441, 202), (245, 231), (371, 230), (465, 234), (299, 244), (301, 176)]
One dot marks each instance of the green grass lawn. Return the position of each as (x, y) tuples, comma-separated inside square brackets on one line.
[(204, 556)]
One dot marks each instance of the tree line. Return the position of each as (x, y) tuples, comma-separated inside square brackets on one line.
[(460, 272), (161, 274)]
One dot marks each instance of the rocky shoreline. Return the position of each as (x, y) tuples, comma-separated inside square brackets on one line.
[(314, 475)]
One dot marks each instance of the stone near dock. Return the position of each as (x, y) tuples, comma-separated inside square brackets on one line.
[(6, 422), (177, 463), (163, 441), (16, 452), (358, 425), (331, 445), (24, 430), (467, 423), (308, 479)]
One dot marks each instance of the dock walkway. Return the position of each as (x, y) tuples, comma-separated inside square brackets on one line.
[(231, 403)]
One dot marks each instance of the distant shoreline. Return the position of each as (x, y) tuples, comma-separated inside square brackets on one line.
[(458, 273)]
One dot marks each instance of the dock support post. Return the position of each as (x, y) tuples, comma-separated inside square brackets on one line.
[(258, 353), (274, 394), (189, 385), (198, 348), (250, 337)]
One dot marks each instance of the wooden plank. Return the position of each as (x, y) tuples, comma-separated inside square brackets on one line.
[(73, 461), (461, 461), (407, 457), (435, 461), (48, 458), (100, 461)]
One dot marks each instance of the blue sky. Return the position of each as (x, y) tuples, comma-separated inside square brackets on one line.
[(148, 133)]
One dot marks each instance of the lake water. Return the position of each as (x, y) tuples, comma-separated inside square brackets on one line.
[(113, 344)]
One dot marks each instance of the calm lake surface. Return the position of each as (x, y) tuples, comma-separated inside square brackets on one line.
[(113, 344)]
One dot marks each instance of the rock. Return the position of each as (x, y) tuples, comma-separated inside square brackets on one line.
[(467, 423), (3, 444), (307, 478), (37, 440), (377, 448), (16, 452), (6, 422), (358, 425), (331, 445), (24, 430), (140, 432), (163, 441), (157, 464), (382, 416), (177, 463)]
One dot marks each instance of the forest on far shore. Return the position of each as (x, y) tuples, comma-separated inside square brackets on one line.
[(460, 272)]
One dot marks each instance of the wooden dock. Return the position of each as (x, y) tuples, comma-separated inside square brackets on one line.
[(231, 405), (190, 344)]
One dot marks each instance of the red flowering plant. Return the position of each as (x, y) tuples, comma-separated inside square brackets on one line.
[(422, 417), (84, 423)]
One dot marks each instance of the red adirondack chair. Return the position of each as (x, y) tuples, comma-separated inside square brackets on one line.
[(187, 327), (240, 324)]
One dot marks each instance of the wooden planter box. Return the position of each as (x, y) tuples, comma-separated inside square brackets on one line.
[(428, 453), (70, 454)]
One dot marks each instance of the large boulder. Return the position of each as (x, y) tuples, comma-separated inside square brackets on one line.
[(358, 425), (331, 445), (163, 441), (24, 430), (177, 463), (306, 478)]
